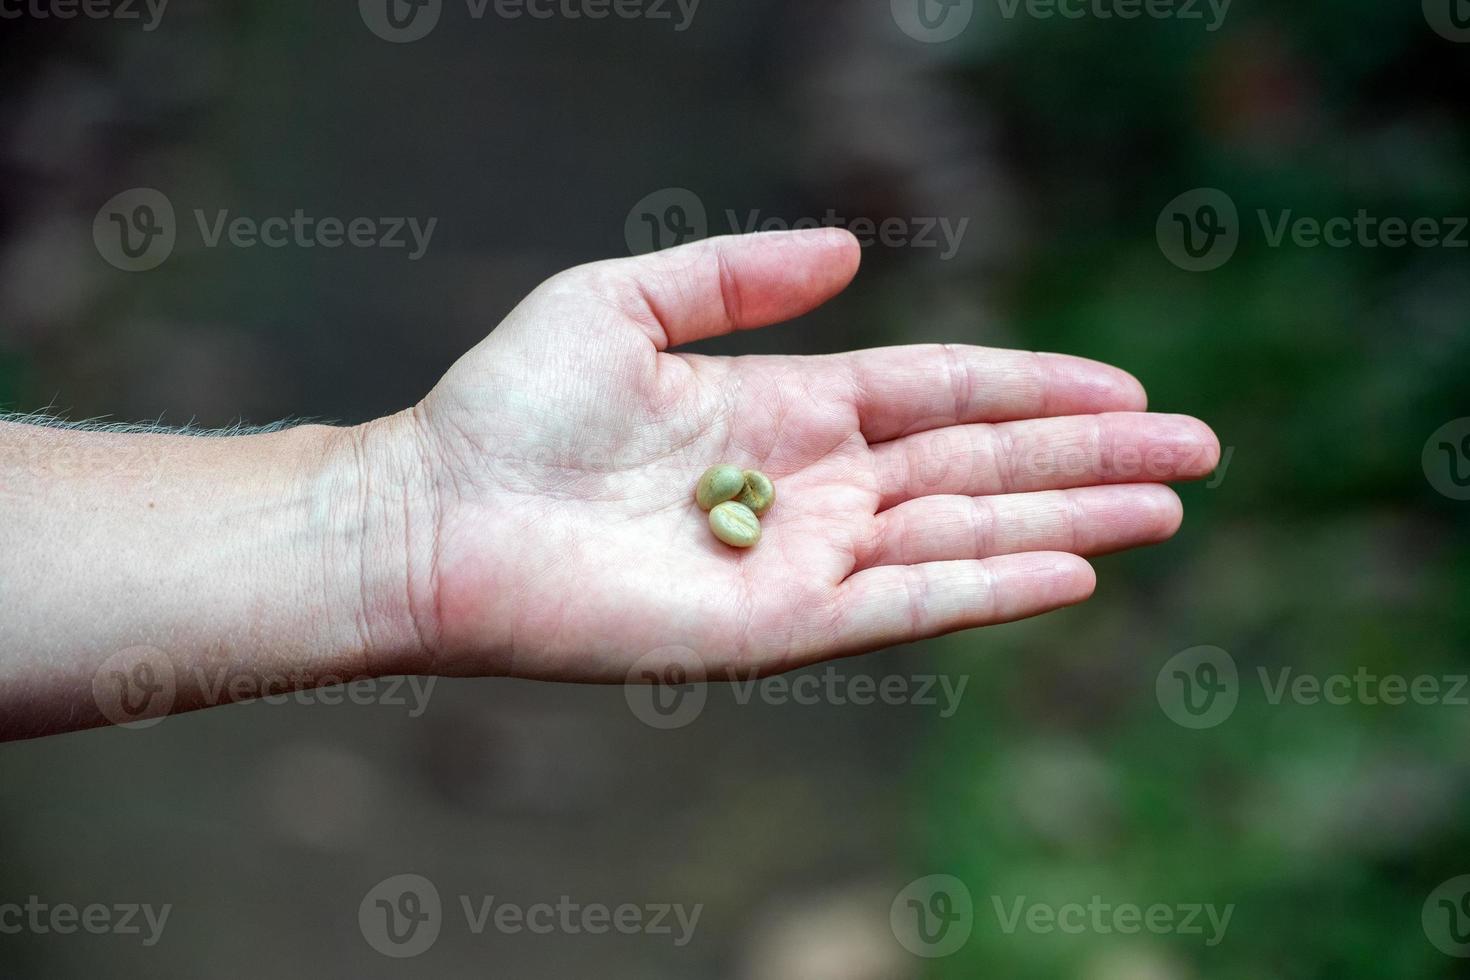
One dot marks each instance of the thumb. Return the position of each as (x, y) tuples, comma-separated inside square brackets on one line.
[(738, 282)]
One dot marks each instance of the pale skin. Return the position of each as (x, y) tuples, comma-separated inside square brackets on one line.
[(533, 516)]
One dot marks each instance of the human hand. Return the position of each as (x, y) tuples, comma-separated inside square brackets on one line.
[(539, 502)]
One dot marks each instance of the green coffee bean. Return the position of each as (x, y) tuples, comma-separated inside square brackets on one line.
[(735, 524), (719, 484), (759, 492)]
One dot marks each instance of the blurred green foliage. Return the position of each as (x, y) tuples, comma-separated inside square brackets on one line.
[(1323, 548)]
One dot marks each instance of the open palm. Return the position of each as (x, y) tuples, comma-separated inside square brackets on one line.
[(920, 490)]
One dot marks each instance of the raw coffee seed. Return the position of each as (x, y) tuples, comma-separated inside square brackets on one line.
[(719, 484), (759, 492), (735, 524)]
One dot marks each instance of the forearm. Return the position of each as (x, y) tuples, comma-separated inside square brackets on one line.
[(229, 567)]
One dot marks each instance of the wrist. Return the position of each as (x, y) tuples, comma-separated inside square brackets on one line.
[(379, 518)]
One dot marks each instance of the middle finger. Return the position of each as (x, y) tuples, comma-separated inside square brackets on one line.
[(1045, 454)]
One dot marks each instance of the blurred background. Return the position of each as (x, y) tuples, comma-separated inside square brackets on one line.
[(1112, 187)]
